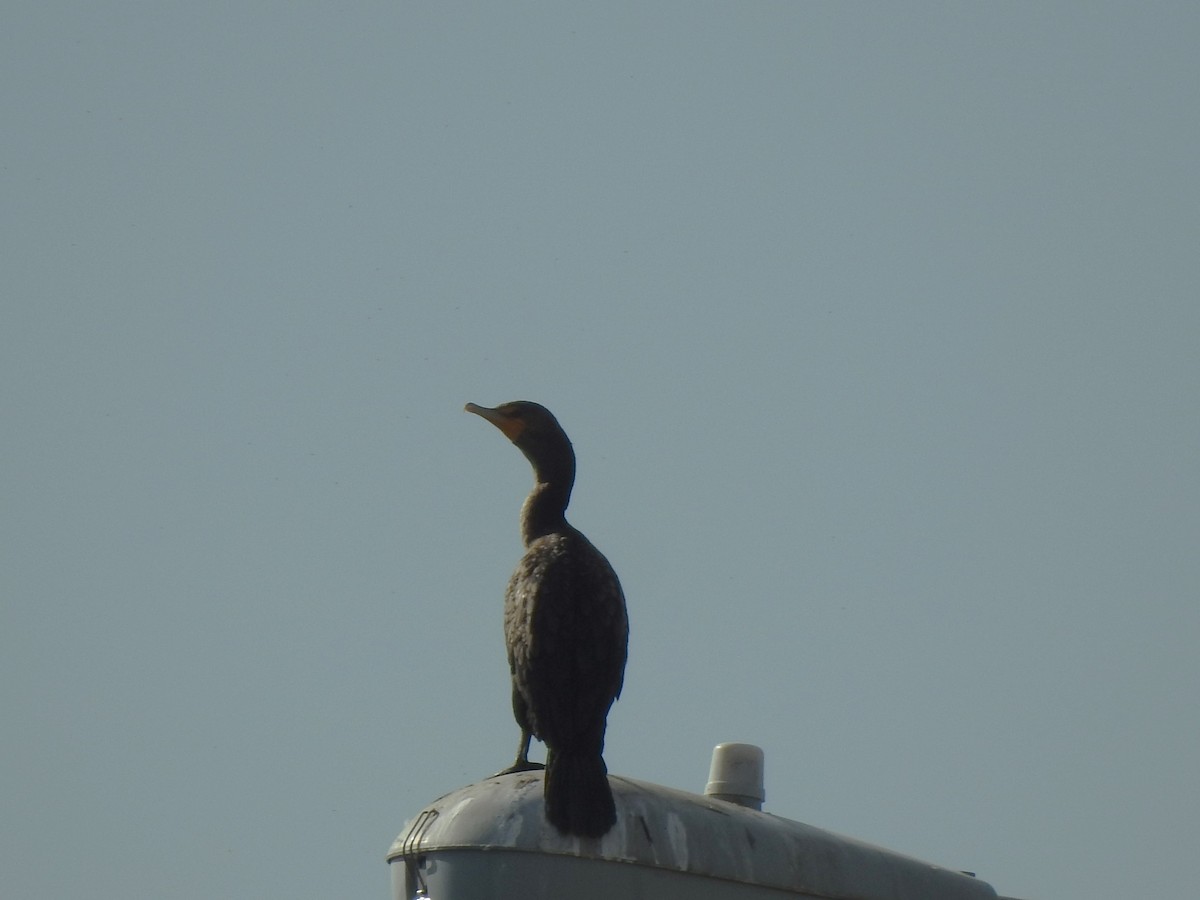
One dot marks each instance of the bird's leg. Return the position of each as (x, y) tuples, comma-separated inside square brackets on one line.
[(522, 763)]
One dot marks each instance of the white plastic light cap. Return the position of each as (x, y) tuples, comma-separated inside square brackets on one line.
[(736, 775)]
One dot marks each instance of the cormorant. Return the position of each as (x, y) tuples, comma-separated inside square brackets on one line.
[(566, 630)]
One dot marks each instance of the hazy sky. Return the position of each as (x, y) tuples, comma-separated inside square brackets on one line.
[(876, 330)]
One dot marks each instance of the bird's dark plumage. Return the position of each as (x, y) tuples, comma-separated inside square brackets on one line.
[(566, 630)]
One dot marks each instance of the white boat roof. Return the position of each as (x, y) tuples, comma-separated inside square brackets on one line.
[(674, 830)]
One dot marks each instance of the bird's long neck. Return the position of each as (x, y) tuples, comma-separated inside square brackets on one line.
[(544, 511)]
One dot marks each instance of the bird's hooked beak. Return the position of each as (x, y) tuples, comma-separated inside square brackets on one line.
[(510, 425)]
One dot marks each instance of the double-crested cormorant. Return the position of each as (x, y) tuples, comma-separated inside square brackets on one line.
[(566, 630)]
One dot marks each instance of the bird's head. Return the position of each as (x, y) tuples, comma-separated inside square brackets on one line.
[(532, 428)]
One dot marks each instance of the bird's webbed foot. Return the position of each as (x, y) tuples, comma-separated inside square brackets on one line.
[(522, 763)]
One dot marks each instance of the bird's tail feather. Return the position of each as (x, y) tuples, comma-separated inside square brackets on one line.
[(578, 798)]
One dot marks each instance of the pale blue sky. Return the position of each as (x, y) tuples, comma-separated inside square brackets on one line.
[(875, 328)]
